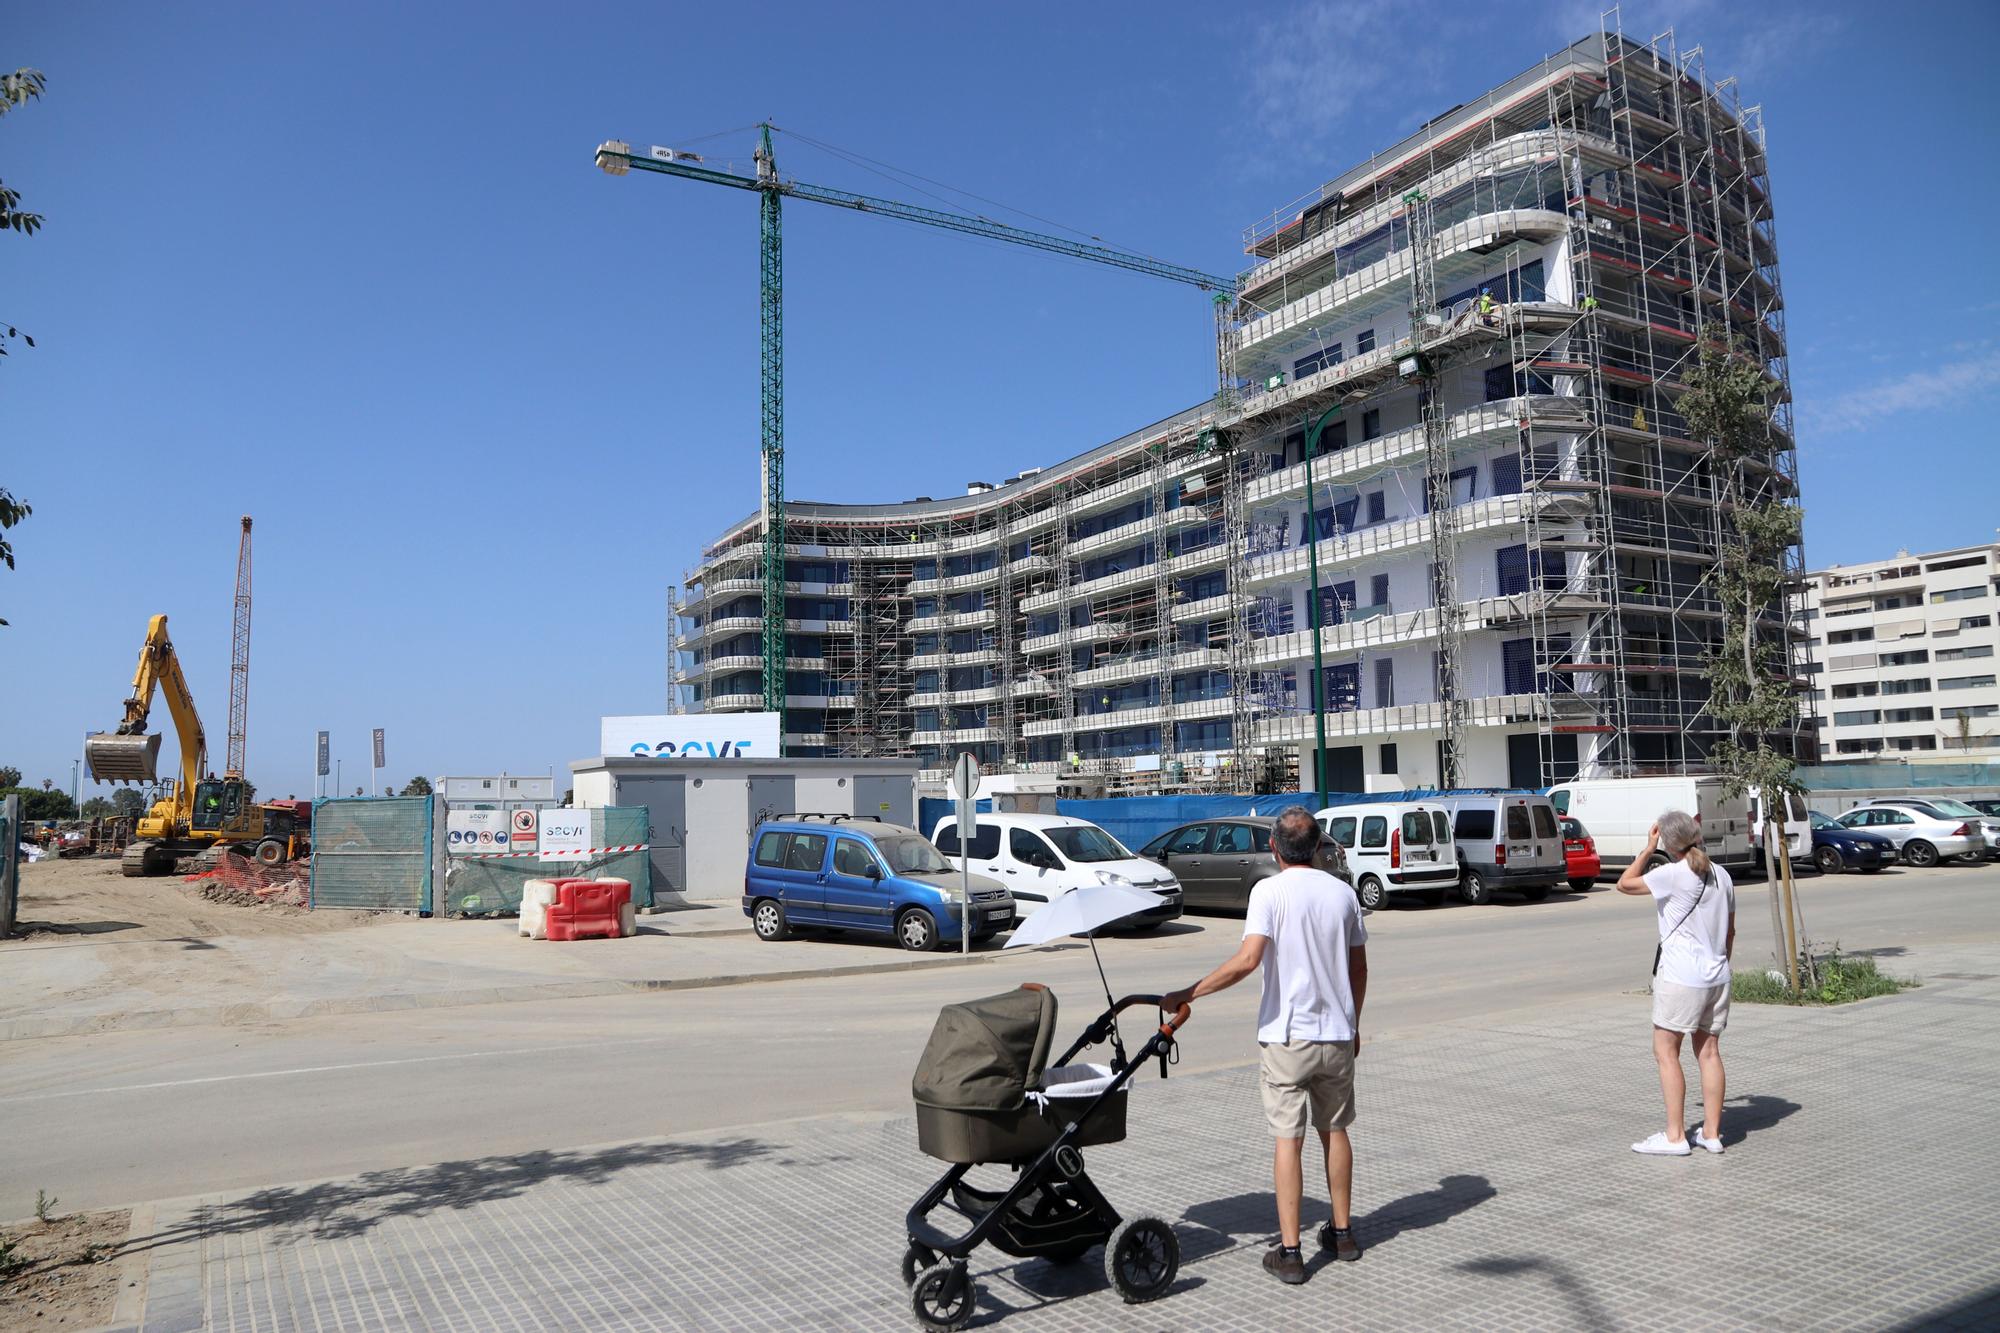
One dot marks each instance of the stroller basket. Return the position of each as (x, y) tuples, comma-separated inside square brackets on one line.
[(1066, 1093)]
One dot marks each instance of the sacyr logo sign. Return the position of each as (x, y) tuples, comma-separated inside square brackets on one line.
[(731, 749)]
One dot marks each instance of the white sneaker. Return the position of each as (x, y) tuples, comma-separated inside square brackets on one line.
[(1712, 1144), (1658, 1146)]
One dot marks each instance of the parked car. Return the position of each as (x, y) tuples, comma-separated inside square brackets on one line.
[(1798, 828), (1837, 847), (862, 875), (1943, 807), (1580, 855), (1507, 842), (1041, 857), (1218, 861), (1986, 807), (1621, 811), (1395, 847), (1921, 838)]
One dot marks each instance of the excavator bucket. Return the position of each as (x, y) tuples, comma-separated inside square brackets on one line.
[(113, 758)]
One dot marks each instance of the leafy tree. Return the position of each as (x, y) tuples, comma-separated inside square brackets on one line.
[(128, 801), (38, 803), (1726, 403), (10, 776), (417, 787), (16, 89), (97, 808)]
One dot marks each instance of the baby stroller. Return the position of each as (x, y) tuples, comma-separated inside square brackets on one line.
[(986, 1094)]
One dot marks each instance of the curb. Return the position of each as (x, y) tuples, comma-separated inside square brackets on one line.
[(31, 1029)]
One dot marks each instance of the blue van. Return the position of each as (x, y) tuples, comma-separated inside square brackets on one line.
[(844, 873)]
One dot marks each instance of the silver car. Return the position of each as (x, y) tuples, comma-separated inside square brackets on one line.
[(1943, 807), (1921, 837)]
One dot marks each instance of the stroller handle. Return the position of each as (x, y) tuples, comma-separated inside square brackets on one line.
[(1168, 1028)]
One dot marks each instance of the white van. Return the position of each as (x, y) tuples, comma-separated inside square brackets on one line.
[(1395, 847), (1798, 829), (1042, 857), (1620, 811)]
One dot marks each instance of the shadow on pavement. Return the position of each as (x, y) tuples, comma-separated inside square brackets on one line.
[(340, 1209), (1979, 1310), (1585, 1310), (1255, 1214), (1743, 1116)]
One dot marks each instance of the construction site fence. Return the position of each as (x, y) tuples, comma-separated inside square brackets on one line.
[(10, 862), (372, 853), (1899, 776), (491, 885)]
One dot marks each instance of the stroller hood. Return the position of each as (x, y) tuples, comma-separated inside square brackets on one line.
[(986, 1055)]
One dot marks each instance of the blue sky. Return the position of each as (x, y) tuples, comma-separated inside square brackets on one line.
[(349, 269)]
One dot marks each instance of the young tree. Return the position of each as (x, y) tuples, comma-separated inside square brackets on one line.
[(417, 787), (16, 89), (1726, 403), (127, 801), (97, 808)]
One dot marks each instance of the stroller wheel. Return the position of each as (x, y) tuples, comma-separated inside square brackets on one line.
[(916, 1258), (1141, 1258), (942, 1297)]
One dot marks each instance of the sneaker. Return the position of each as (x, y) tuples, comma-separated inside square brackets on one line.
[(1658, 1146), (1343, 1247), (1289, 1269), (1703, 1141)]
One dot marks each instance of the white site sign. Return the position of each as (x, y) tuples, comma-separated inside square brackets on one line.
[(473, 831), (565, 835), (671, 736)]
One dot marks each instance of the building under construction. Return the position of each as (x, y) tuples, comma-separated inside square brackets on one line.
[(1482, 332)]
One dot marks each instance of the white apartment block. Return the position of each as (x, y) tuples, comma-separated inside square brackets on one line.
[(1906, 656)]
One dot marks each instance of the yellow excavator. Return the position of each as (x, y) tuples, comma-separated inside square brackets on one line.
[(198, 812)]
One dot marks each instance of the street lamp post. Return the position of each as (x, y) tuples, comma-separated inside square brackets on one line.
[(1313, 433)]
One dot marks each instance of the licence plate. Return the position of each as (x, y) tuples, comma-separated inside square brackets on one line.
[(999, 914)]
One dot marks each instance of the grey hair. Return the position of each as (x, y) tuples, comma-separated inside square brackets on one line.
[(1680, 836), (1295, 837)]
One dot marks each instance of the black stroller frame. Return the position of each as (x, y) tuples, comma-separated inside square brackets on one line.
[(1053, 1210)]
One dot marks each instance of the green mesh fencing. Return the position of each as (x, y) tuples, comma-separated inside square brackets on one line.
[(491, 886), (372, 853)]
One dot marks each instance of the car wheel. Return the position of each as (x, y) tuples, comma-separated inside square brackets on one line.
[(916, 931), (1582, 885), (1828, 860), (1917, 852), (1472, 888), (767, 918), (1972, 859), (1370, 890)]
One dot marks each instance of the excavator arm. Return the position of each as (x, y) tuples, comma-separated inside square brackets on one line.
[(131, 754)]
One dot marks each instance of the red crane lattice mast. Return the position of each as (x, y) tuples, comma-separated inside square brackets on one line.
[(239, 659)]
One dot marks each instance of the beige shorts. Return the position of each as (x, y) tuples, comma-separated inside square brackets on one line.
[(1680, 1008), (1307, 1082)]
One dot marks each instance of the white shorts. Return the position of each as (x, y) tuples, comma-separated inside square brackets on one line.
[(1680, 1008)]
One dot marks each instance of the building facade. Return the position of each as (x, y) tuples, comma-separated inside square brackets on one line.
[(1906, 654), (1482, 333)]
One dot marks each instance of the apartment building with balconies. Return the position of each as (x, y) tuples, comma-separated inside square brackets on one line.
[(1482, 331), (1906, 656)]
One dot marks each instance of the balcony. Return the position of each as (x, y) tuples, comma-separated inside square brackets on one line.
[(1186, 516), (960, 736), (1404, 535), (955, 582), (1297, 727), (726, 625), (1140, 665), (939, 660), (950, 620), (1149, 716), (1080, 634)]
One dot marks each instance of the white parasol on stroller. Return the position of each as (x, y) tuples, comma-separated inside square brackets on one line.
[(1084, 912)]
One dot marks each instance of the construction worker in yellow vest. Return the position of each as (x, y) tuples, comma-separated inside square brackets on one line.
[(1486, 304)]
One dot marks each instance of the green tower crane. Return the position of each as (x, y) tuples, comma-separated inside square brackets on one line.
[(617, 157)]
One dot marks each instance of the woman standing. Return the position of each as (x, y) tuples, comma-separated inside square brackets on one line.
[(1696, 903)]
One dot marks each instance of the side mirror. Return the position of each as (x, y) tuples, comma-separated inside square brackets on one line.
[(872, 872), (1166, 854)]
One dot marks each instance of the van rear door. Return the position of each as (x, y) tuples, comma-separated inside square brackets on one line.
[(1548, 841), (1725, 822)]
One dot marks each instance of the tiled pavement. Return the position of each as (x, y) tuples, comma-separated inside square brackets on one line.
[(1495, 1190)]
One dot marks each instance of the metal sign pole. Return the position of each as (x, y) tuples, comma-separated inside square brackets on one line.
[(965, 786)]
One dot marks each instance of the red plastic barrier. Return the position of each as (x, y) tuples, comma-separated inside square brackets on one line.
[(585, 908)]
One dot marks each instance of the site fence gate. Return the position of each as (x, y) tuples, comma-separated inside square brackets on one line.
[(490, 883), (372, 853)]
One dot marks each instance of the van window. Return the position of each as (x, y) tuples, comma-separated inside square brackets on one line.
[(1374, 830), (1545, 822), (851, 857), (985, 841), (1440, 827), (1417, 828), (1474, 826), (771, 849), (1027, 847), (807, 852), (1560, 800), (1341, 830), (1518, 826)]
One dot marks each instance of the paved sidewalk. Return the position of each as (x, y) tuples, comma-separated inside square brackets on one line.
[(1496, 1189)]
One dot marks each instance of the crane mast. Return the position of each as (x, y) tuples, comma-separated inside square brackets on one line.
[(239, 659), (616, 158)]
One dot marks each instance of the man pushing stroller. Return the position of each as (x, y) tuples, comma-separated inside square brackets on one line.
[(1304, 930)]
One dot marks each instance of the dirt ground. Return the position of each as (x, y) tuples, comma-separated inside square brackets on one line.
[(62, 1273), (89, 898)]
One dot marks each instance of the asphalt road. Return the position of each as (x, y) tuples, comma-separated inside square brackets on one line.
[(130, 1116)]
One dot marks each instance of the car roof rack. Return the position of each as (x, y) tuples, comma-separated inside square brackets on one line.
[(829, 818)]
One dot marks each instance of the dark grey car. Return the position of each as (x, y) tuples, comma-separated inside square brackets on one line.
[(1218, 861)]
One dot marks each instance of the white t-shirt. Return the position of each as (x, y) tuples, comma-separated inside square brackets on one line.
[(1695, 954), (1311, 920)]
